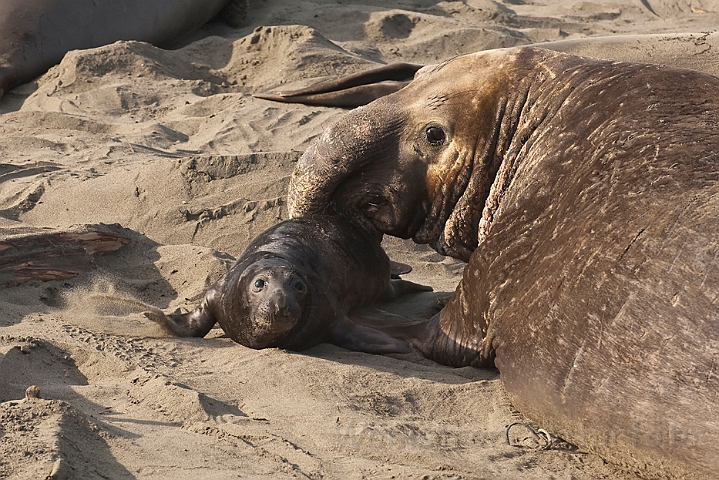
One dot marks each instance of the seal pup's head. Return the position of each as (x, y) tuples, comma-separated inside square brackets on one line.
[(271, 299)]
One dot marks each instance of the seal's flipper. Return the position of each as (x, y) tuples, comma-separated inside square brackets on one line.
[(347, 334), (196, 323), (397, 268), (398, 287), (350, 91), (397, 72), (347, 98), (191, 324)]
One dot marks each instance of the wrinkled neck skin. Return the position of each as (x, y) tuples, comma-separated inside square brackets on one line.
[(467, 189), (491, 124), (460, 334), (535, 104)]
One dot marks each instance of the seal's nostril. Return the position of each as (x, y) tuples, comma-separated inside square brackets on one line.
[(278, 306), (370, 207)]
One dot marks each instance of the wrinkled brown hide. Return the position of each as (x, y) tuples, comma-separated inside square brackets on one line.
[(587, 192)]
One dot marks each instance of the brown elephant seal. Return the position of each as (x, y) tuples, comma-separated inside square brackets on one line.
[(293, 286), (36, 34), (585, 196)]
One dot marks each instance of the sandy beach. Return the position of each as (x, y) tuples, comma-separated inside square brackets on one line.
[(169, 150)]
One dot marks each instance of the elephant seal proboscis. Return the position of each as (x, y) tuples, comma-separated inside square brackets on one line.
[(293, 287), (36, 34), (585, 196)]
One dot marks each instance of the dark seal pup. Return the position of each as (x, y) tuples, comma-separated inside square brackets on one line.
[(585, 195), (293, 286), (36, 34)]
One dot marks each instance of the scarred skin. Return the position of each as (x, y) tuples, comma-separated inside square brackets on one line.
[(293, 287), (36, 34), (585, 196)]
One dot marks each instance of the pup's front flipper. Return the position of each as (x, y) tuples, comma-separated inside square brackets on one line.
[(196, 323), (347, 334)]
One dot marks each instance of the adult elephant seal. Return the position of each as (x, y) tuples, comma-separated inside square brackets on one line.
[(36, 34), (585, 196), (293, 287)]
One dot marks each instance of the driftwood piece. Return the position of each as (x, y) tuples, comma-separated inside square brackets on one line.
[(51, 254)]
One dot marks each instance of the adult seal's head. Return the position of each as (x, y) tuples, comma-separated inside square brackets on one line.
[(585, 196), (420, 163)]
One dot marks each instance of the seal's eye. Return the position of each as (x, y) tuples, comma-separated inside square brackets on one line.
[(300, 287), (435, 135), (260, 284)]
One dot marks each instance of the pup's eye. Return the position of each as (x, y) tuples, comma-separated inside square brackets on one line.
[(300, 287), (260, 284), (435, 135)]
